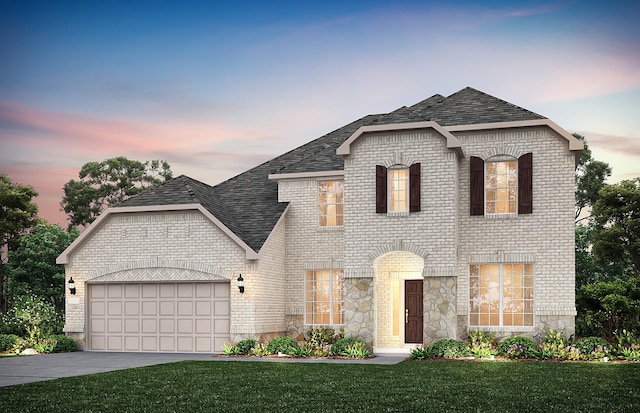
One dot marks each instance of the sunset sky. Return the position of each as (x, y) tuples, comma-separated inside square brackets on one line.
[(215, 88)]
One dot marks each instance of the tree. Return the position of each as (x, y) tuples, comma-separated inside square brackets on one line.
[(17, 215), (607, 306), (616, 215), (590, 178), (107, 183), (32, 267)]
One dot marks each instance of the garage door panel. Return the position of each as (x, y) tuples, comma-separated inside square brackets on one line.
[(131, 308), (185, 344), (132, 343), (167, 308), (168, 317), (132, 325), (185, 308), (167, 326), (220, 326), (203, 308), (149, 308)]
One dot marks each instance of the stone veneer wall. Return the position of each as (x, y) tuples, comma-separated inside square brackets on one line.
[(440, 313), (359, 309)]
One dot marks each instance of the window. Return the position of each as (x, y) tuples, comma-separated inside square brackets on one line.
[(323, 297), (501, 295), (331, 203), (398, 189), (501, 185)]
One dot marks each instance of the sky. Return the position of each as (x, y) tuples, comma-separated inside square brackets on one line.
[(216, 88)]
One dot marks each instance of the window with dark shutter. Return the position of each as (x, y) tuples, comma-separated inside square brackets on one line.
[(476, 186), (414, 187), (525, 184), (381, 189)]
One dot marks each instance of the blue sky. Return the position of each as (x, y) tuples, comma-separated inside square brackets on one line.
[(217, 87)]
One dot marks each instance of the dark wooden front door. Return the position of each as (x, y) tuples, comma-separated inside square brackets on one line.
[(413, 313)]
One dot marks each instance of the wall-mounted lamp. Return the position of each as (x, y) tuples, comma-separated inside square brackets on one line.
[(72, 286), (241, 284)]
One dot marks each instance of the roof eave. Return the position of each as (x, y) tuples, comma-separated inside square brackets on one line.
[(452, 142)]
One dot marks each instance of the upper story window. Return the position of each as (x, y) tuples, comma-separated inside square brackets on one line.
[(398, 189), (501, 185), (331, 203)]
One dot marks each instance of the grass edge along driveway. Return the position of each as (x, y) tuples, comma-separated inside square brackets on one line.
[(411, 386)]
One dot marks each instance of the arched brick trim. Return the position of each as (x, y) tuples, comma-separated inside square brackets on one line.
[(157, 274), (211, 270), (503, 149), (398, 245)]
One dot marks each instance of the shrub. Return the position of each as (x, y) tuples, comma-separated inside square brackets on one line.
[(64, 344), (554, 346), (229, 350), (37, 316), (303, 351), (592, 348), (357, 350), (480, 345), (449, 348), (350, 347), (245, 346), (281, 345), (519, 348), (259, 351), (45, 345), (318, 336), (627, 345), (8, 341), (421, 352), (339, 346)]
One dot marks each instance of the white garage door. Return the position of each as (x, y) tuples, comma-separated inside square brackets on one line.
[(164, 317)]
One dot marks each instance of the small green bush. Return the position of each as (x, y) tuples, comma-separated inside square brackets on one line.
[(229, 350), (318, 336), (8, 341), (449, 348), (303, 351), (245, 346), (481, 345), (339, 346), (64, 344), (350, 347), (592, 348), (283, 345), (519, 348), (421, 352), (554, 346)]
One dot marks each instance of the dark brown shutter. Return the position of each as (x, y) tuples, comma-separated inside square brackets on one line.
[(414, 187), (381, 189), (476, 186), (525, 184)]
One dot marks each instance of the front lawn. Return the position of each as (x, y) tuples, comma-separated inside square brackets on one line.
[(411, 386)]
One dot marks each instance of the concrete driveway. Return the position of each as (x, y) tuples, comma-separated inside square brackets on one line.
[(30, 369)]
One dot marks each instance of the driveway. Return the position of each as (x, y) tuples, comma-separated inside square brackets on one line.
[(30, 369)]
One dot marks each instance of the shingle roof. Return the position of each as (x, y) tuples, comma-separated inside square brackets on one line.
[(248, 203)]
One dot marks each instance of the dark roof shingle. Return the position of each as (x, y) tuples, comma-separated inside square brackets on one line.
[(248, 204)]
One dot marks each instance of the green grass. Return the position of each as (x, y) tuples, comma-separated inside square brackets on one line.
[(411, 386)]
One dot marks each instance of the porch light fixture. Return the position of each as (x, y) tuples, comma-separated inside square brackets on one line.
[(241, 284), (72, 286)]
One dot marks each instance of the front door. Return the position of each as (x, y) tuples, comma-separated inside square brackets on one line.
[(413, 311)]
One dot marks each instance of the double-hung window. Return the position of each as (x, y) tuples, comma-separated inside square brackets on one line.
[(501, 185), (501, 295), (399, 189), (331, 203), (324, 291)]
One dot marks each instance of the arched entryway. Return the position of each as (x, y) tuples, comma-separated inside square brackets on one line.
[(398, 296)]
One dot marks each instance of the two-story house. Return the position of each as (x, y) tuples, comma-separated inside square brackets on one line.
[(448, 216)]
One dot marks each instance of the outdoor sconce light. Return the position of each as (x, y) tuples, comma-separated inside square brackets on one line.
[(72, 286), (241, 284)]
